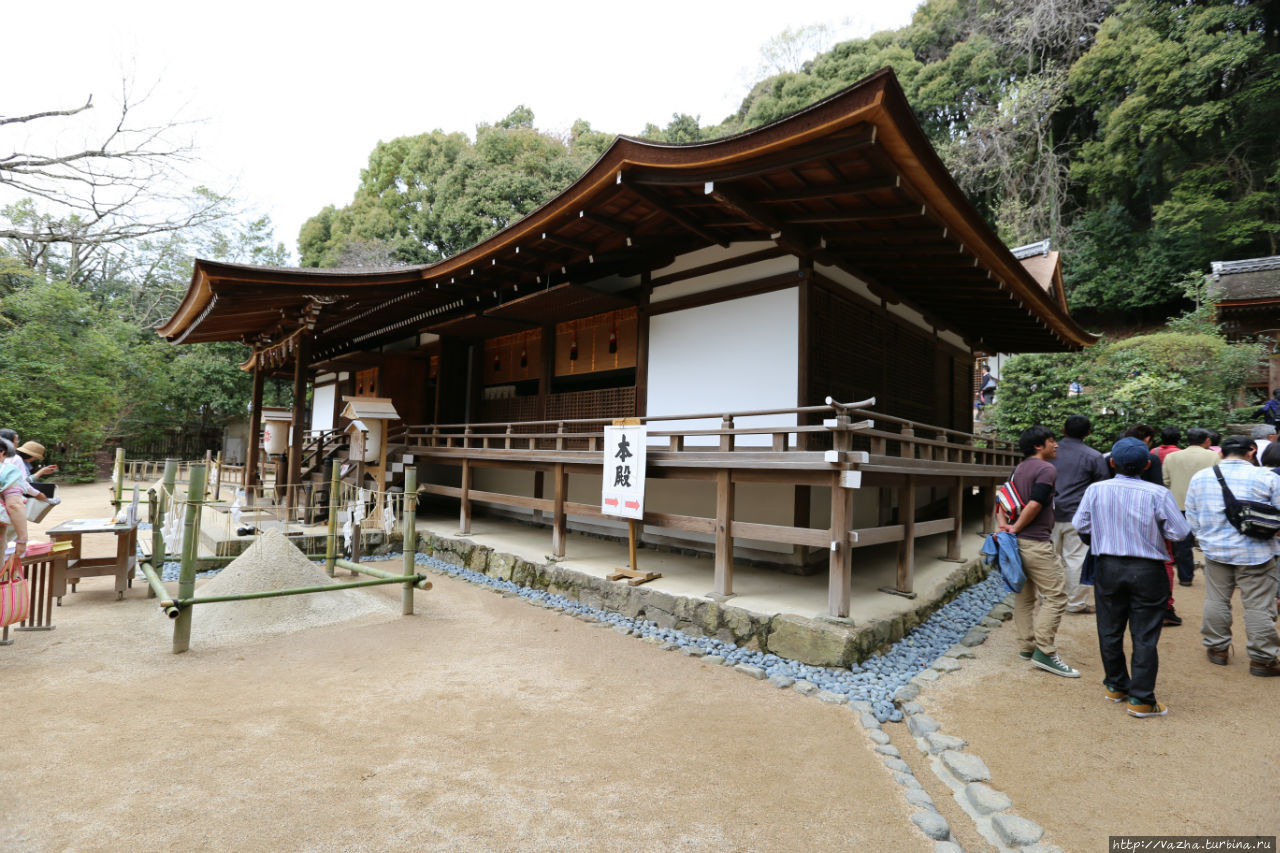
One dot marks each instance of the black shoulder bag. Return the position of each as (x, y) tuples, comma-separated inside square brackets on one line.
[(1257, 519)]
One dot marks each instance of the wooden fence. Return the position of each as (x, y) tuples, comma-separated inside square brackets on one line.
[(838, 446)]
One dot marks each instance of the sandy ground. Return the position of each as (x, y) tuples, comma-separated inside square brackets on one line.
[(483, 723), (1078, 765), (480, 723)]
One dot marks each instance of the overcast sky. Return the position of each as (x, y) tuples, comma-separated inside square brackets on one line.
[(293, 97)]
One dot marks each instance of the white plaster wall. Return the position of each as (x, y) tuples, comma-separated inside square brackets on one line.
[(726, 357)]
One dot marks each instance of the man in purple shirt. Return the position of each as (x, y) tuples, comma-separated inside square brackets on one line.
[(1034, 478), (1127, 522)]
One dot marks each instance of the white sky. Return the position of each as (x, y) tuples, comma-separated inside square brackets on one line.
[(292, 97)]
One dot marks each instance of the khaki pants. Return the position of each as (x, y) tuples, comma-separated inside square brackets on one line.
[(1045, 576), (1257, 585), (1071, 553)]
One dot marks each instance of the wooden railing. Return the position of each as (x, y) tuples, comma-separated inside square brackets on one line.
[(857, 448)]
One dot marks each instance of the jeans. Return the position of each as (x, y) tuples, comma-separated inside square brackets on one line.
[(1132, 592)]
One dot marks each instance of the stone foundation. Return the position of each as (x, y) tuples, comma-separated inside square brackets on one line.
[(818, 642)]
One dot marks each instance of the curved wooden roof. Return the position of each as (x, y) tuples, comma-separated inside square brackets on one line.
[(849, 182)]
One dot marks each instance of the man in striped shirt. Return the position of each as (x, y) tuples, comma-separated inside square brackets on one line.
[(1233, 560), (1126, 522)]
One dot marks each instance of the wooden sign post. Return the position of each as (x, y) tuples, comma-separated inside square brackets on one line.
[(622, 493)]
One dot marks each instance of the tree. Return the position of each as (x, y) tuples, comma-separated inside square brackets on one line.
[(114, 183), (69, 377), (1164, 379), (424, 198)]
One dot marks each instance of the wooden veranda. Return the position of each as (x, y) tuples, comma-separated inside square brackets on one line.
[(899, 458)]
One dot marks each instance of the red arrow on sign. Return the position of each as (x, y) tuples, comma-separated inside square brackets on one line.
[(610, 501), (632, 504)]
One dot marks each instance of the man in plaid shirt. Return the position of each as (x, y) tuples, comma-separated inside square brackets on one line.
[(1233, 560)]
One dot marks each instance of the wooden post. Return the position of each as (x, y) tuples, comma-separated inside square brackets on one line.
[(726, 438), (302, 357), (539, 489), (632, 536), (559, 527), (251, 480), (840, 567), (955, 508), (410, 536), (217, 480), (724, 540), (988, 493), (464, 514), (335, 502), (187, 574), (907, 547)]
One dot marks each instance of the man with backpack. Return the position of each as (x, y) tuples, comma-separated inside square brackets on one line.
[(1234, 560), (1033, 480)]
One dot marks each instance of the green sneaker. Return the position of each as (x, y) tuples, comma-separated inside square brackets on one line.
[(1025, 654), (1053, 663)]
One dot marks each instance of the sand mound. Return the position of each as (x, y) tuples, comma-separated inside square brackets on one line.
[(273, 562)]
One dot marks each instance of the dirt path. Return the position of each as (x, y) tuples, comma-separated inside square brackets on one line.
[(481, 723), (1078, 765)]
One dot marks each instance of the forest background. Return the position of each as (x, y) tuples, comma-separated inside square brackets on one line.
[(1138, 136)]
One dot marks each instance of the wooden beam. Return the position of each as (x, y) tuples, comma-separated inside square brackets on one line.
[(907, 547), (840, 565), (302, 355), (724, 534), (684, 221), (568, 243), (251, 479), (824, 191), (559, 526), (955, 509), (464, 511)]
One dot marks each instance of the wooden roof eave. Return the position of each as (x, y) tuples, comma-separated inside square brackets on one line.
[(903, 138)]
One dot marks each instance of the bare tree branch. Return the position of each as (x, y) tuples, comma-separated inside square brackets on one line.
[(116, 187)]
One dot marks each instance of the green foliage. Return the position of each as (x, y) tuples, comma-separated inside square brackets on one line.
[(68, 372), (1163, 379), (424, 198)]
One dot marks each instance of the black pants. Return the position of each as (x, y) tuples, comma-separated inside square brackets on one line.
[(1133, 592), (1183, 558)]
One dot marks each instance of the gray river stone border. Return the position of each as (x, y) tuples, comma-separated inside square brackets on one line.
[(965, 773)]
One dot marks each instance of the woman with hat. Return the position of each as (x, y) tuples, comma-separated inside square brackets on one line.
[(21, 459)]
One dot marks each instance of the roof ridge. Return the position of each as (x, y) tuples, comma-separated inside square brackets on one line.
[(1272, 262)]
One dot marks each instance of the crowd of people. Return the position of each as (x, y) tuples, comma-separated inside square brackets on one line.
[(18, 485), (1107, 533)]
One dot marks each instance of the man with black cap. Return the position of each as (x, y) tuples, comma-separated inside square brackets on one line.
[(1233, 560), (1127, 521)]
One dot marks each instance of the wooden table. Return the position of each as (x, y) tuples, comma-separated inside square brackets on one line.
[(122, 565)]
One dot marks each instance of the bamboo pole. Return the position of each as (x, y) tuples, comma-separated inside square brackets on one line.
[(156, 588), (410, 536), (119, 484), (331, 541), (165, 502), (187, 575), (421, 581), (186, 603)]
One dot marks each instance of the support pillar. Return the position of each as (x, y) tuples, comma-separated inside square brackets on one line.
[(251, 480), (302, 355), (724, 539), (840, 568), (907, 548)]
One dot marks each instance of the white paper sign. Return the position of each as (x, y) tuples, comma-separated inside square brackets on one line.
[(624, 467)]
